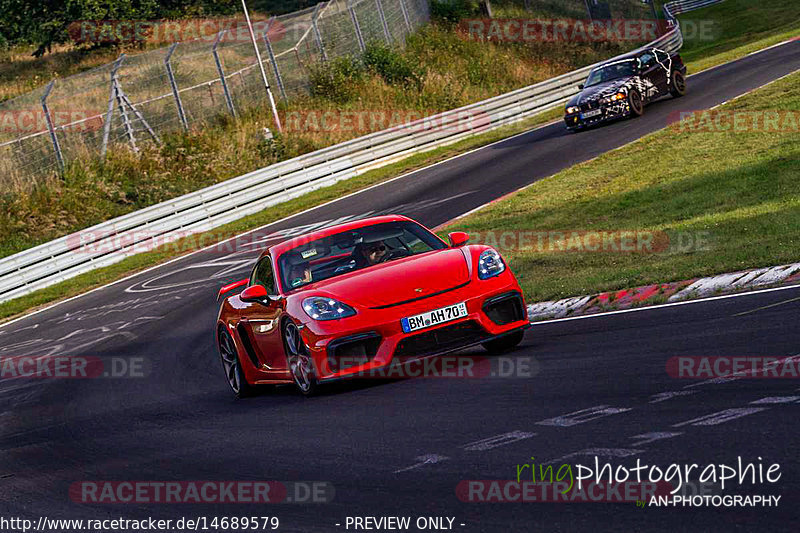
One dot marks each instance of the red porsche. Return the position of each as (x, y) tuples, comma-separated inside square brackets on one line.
[(346, 300)]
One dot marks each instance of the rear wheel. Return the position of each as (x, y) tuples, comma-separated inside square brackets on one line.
[(299, 360), (232, 366), (636, 103), (505, 343), (677, 87)]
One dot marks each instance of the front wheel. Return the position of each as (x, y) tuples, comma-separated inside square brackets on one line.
[(232, 366), (504, 343), (677, 87), (636, 104), (299, 360)]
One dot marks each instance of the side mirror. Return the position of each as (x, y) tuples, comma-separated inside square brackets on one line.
[(255, 293), (580, 86), (458, 238)]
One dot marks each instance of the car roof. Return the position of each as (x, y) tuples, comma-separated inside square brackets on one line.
[(278, 249), (629, 55)]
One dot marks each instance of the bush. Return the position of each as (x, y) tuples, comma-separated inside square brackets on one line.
[(449, 12), (337, 80), (390, 65)]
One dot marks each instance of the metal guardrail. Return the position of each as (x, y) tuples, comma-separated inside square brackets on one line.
[(112, 241)]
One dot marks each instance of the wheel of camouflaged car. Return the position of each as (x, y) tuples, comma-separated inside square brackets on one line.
[(636, 103), (677, 87)]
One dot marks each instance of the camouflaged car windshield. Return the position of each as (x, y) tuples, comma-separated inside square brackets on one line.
[(612, 71)]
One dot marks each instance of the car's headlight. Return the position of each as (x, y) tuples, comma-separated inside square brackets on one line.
[(573, 109), (615, 98), (490, 264), (320, 308)]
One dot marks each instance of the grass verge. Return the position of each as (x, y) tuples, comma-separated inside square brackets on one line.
[(742, 203), (737, 28)]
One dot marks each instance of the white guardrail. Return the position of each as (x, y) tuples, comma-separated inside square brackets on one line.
[(112, 241)]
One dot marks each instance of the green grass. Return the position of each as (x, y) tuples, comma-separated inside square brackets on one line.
[(740, 26), (738, 189)]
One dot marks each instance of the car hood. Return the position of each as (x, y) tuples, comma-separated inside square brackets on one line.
[(601, 90), (397, 281)]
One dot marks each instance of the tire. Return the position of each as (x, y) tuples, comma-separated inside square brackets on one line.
[(636, 103), (298, 360), (505, 343), (232, 365), (677, 86)]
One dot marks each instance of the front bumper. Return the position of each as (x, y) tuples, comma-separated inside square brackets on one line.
[(375, 338), (577, 121)]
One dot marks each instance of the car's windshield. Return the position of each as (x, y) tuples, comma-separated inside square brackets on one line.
[(353, 250), (612, 71)]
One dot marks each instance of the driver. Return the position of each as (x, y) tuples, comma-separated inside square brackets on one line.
[(369, 253), (300, 274), (374, 252)]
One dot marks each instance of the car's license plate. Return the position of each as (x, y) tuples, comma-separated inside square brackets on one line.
[(435, 317), (592, 113)]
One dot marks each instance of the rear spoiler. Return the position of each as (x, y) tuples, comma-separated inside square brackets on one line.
[(231, 286)]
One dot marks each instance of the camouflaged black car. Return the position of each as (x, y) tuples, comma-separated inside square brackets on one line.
[(624, 86)]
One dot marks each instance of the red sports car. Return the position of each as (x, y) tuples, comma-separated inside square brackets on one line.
[(346, 300)]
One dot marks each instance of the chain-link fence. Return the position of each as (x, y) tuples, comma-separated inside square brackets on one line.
[(140, 97)]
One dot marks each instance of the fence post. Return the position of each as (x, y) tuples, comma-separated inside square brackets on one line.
[(272, 59), (588, 10), (356, 26), (264, 79), (228, 99), (382, 16), (124, 114), (317, 34), (407, 20), (50, 127), (110, 113), (174, 85)]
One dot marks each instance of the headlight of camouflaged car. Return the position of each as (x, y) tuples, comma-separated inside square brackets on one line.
[(611, 99), (572, 109), (320, 308), (490, 264)]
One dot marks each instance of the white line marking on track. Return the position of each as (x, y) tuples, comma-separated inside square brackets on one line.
[(721, 417), (647, 438), (428, 459), (596, 452), (582, 416), (663, 396), (776, 399), (497, 441)]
